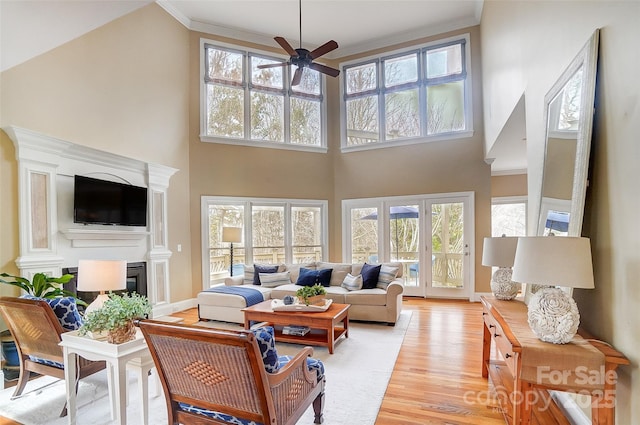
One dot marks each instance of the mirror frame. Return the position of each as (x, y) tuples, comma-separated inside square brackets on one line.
[(588, 59)]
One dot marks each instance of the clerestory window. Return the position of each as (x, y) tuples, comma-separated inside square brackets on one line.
[(243, 104), (414, 95)]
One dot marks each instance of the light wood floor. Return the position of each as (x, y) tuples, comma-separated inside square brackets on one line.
[(436, 379)]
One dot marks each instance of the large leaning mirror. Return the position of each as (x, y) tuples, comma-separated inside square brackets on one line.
[(569, 110)]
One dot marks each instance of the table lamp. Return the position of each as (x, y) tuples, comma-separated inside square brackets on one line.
[(501, 252), (232, 235), (102, 276), (549, 261)]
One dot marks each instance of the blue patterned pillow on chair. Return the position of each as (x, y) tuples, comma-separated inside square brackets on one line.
[(65, 309), (267, 344)]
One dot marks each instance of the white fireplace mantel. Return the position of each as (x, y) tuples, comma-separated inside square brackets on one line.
[(50, 240)]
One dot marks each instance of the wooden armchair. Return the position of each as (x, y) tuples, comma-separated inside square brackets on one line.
[(218, 376), (36, 331)]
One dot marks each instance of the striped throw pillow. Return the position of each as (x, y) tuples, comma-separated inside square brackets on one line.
[(386, 276), (352, 283)]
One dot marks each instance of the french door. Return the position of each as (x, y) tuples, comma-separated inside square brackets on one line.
[(430, 235)]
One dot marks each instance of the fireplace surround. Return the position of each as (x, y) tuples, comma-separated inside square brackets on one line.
[(50, 241)]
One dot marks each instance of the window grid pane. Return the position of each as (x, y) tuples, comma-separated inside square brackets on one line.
[(362, 120), (224, 65), (364, 235), (401, 70), (402, 113), (267, 225), (444, 61), (268, 77), (445, 108), (225, 111), (362, 78), (267, 115), (306, 223), (305, 122)]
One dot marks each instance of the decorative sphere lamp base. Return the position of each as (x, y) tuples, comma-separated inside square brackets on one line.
[(553, 316), (502, 286)]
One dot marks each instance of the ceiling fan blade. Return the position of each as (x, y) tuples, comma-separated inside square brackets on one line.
[(297, 77), (324, 69), (272, 65), (324, 49), (286, 46)]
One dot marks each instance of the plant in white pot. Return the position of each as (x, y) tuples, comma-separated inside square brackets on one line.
[(116, 317)]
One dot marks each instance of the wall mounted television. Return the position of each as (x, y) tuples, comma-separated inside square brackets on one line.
[(98, 201)]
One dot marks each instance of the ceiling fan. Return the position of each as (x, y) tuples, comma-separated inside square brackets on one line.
[(303, 58)]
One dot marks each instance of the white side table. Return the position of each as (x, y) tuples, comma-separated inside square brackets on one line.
[(133, 354)]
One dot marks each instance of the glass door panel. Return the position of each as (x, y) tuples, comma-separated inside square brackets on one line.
[(404, 240), (449, 251)]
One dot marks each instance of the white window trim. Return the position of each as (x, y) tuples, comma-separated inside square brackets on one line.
[(288, 203), (468, 100), (258, 143)]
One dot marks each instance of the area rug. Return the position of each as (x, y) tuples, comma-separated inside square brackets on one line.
[(357, 376)]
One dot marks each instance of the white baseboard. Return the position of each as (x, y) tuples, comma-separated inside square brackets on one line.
[(169, 308)]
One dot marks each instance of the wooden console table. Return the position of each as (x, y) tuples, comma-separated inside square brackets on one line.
[(528, 368)]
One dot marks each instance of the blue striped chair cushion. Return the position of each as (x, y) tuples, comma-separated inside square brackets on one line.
[(46, 362)]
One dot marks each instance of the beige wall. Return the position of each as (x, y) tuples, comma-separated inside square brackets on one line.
[(438, 167), (122, 88), (542, 38), (511, 185)]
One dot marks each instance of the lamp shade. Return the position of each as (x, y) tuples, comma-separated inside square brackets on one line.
[(101, 275), (554, 261), (499, 252), (232, 234)]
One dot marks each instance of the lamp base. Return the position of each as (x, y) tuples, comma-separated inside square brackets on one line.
[(553, 316), (502, 286), (97, 303)]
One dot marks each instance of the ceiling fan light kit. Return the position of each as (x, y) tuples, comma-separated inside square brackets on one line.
[(303, 58)]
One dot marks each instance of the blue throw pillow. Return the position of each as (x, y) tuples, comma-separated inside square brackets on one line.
[(267, 344), (259, 268), (370, 274), (324, 277), (65, 309), (307, 277)]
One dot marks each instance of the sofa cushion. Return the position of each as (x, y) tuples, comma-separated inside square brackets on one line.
[(370, 275), (271, 280), (340, 271), (375, 296), (295, 269), (262, 268), (352, 283), (386, 276)]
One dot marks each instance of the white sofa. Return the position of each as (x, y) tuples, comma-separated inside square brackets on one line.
[(376, 304)]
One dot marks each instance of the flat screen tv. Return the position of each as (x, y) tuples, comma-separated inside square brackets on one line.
[(104, 202)]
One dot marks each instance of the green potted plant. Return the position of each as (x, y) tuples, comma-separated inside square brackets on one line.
[(116, 317), (311, 295), (42, 286)]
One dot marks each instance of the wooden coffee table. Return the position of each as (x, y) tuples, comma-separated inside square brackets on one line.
[(324, 325)]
